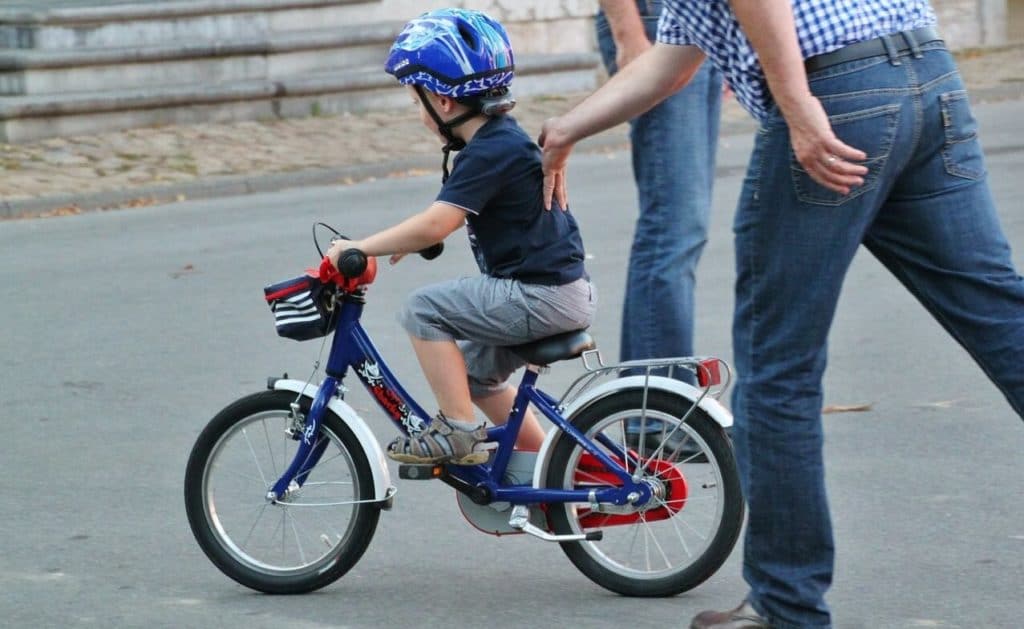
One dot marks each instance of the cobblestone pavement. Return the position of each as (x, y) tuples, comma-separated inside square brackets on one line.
[(163, 158)]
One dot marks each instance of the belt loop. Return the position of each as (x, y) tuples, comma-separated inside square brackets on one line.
[(914, 48), (890, 50)]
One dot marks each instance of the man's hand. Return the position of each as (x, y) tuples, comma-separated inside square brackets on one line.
[(770, 26), (556, 149), (827, 159)]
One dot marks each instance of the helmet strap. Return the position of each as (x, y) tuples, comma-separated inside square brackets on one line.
[(453, 143)]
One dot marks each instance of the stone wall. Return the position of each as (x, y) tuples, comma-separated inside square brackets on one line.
[(535, 26), (564, 25), (972, 23)]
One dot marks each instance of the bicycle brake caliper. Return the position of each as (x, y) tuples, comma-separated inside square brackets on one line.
[(298, 422)]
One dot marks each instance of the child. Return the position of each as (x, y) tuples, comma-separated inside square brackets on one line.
[(457, 65)]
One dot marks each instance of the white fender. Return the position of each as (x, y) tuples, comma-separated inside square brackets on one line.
[(709, 405), (383, 490)]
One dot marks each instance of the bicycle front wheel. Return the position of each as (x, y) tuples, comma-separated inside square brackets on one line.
[(307, 539), (687, 531)]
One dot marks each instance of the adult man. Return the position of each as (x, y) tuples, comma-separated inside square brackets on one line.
[(673, 154), (866, 137)]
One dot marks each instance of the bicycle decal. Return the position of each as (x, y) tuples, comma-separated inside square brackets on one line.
[(390, 401)]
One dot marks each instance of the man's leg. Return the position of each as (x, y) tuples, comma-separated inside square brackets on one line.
[(673, 159), (792, 254), (674, 168), (940, 235)]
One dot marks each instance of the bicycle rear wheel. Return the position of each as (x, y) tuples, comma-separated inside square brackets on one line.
[(301, 542), (681, 537)]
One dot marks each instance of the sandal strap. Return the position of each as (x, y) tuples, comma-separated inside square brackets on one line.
[(440, 439)]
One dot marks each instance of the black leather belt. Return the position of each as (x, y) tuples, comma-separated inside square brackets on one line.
[(888, 45)]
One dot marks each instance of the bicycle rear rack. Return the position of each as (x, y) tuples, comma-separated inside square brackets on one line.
[(713, 375)]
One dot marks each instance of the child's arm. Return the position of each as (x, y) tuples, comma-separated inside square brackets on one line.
[(427, 228)]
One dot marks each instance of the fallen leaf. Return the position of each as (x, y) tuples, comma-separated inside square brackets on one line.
[(847, 408), (67, 210), (188, 268), (939, 404)]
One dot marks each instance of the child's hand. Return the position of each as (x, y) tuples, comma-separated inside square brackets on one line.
[(396, 257), (337, 247)]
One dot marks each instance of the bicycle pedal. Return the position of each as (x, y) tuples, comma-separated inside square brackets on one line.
[(419, 471)]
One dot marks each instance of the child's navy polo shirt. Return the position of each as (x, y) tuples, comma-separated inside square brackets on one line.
[(497, 179)]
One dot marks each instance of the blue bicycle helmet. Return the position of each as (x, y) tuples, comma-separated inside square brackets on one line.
[(458, 53), (453, 52)]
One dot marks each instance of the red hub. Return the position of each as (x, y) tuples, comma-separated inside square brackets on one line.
[(669, 485)]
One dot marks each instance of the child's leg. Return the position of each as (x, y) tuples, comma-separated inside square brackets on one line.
[(445, 370), (497, 408)]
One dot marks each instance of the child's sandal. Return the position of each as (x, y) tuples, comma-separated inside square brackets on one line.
[(442, 442)]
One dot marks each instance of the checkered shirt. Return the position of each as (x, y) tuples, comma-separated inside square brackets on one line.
[(822, 26)]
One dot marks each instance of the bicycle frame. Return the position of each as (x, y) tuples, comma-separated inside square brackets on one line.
[(352, 348)]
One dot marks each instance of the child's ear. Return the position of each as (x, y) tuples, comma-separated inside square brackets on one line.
[(447, 103)]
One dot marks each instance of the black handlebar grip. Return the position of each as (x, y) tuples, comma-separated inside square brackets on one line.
[(352, 262), (432, 251)]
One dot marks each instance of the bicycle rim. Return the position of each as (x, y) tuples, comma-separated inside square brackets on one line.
[(302, 532), (647, 545)]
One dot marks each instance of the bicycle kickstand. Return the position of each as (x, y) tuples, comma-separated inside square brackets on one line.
[(520, 520)]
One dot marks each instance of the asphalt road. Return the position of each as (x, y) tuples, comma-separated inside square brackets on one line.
[(123, 332)]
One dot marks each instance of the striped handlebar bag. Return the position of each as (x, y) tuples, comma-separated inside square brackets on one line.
[(302, 307)]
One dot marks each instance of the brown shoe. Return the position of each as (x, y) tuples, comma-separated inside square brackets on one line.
[(743, 617)]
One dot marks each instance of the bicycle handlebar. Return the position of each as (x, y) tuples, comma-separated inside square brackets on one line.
[(432, 251), (352, 262)]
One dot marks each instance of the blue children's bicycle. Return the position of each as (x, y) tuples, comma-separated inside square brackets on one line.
[(637, 481)]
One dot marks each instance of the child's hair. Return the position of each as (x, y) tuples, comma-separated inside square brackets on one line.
[(459, 53)]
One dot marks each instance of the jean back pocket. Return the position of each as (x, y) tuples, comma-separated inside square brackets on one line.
[(870, 130), (961, 151)]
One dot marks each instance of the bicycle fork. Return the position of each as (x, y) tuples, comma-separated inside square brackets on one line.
[(310, 447)]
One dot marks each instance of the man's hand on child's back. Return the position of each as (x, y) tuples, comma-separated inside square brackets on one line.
[(556, 148)]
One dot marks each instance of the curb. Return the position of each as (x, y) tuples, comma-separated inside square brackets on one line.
[(237, 185)]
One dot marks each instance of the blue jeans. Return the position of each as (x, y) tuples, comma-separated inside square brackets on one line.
[(925, 211), (674, 168)]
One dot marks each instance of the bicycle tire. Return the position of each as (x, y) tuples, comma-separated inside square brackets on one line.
[(219, 522), (714, 464)]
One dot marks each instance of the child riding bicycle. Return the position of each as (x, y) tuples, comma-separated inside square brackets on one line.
[(457, 66)]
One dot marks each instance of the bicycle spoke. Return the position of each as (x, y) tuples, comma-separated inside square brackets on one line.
[(325, 461), (685, 522), (657, 544), (636, 533), (218, 466), (256, 460), (270, 449), (673, 520), (622, 431), (592, 477), (295, 531), (256, 521)]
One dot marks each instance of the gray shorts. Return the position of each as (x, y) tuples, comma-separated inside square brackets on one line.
[(484, 314)]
